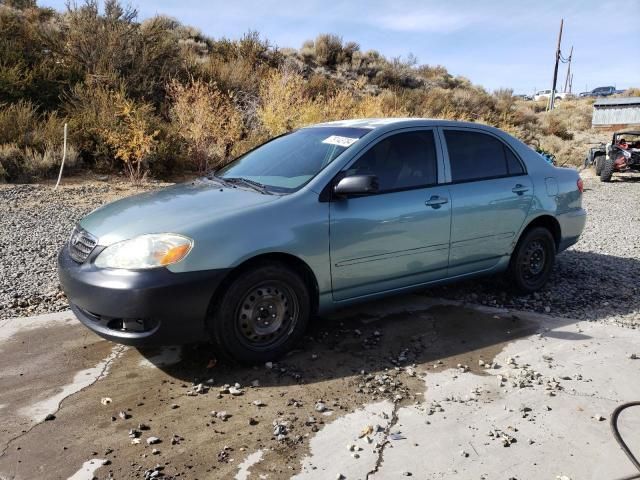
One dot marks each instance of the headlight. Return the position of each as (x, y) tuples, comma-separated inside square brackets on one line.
[(145, 251)]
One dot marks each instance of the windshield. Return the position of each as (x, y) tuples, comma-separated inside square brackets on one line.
[(286, 163)]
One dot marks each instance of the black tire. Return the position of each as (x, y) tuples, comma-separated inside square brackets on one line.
[(532, 260), (597, 163), (261, 315), (607, 170)]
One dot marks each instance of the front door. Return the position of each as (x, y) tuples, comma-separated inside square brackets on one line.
[(399, 236)]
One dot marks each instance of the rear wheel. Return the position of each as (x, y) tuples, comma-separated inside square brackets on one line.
[(262, 314), (532, 260), (598, 164), (607, 169)]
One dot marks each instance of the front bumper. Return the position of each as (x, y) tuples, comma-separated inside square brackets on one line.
[(144, 307)]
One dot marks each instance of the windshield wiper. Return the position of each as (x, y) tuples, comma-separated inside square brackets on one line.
[(251, 183), (220, 180)]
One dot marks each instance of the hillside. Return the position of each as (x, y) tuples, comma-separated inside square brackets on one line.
[(157, 97)]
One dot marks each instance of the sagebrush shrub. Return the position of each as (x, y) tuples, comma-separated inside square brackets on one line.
[(18, 122), (328, 49), (207, 120), (133, 138)]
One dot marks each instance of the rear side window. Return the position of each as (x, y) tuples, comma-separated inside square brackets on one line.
[(401, 161), (476, 156), (513, 164)]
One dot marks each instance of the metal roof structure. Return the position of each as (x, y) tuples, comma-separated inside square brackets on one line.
[(617, 101), (616, 111)]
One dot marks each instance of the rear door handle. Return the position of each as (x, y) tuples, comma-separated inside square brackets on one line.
[(436, 201), (520, 189)]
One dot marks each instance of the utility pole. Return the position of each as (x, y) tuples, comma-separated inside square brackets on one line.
[(566, 80), (555, 70), (571, 84)]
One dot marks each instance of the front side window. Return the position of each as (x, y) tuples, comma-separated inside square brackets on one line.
[(286, 163), (476, 156), (401, 161)]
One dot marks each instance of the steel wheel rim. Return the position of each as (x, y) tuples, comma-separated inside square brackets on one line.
[(533, 261), (267, 315)]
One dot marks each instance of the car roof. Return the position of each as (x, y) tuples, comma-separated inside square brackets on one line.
[(375, 123), (628, 132)]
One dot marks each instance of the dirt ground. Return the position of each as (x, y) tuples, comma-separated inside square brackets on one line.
[(354, 400)]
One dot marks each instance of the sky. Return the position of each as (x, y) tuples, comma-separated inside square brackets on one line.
[(494, 43)]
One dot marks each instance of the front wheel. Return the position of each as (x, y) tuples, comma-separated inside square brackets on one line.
[(261, 315), (532, 260)]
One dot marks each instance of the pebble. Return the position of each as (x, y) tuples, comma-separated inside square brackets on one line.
[(235, 391), (223, 415), (153, 440)]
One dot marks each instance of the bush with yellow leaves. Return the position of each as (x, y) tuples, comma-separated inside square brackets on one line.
[(207, 121), (133, 138), (286, 103)]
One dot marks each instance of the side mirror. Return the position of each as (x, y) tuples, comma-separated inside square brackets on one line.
[(356, 185)]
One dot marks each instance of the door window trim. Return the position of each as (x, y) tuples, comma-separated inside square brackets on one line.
[(445, 151), (327, 193)]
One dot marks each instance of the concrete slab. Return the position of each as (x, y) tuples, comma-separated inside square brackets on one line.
[(433, 417), (557, 432)]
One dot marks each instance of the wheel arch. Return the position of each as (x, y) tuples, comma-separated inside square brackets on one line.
[(546, 221), (291, 261)]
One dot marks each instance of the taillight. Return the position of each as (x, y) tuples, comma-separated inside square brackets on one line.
[(580, 185)]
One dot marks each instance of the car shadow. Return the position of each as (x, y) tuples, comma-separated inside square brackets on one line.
[(372, 337), (417, 329)]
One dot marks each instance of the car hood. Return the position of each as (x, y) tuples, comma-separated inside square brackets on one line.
[(176, 209)]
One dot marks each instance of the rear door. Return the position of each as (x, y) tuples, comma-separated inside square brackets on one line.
[(490, 193), (399, 236)]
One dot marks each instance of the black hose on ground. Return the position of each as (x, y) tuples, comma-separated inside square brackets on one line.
[(616, 434)]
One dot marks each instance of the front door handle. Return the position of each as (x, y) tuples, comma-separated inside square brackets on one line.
[(436, 201), (520, 189)]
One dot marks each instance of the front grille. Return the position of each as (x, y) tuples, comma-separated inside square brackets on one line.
[(81, 244)]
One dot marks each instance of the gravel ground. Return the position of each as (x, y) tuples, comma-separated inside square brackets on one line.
[(595, 279), (34, 222)]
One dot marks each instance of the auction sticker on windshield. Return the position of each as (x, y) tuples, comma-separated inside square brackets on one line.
[(340, 141)]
